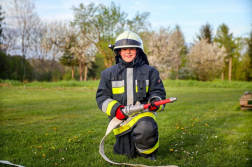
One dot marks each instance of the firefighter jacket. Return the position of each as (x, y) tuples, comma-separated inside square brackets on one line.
[(122, 85)]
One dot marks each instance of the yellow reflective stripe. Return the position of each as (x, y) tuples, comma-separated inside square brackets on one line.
[(109, 108), (132, 122), (160, 107), (119, 90), (149, 151), (147, 88), (121, 129)]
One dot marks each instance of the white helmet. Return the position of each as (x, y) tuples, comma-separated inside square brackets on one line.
[(128, 39)]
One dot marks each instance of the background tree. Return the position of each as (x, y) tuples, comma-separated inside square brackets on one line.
[(159, 50), (1, 26), (240, 44), (165, 50), (52, 48), (10, 40), (246, 66), (10, 67), (206, 32), (177, 41), (139, 23), (206, 60), (74, 46), (84, 53), (102, 24), (225, 38), (25, 19)]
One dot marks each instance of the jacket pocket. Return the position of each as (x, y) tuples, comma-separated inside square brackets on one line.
[(118, 90), (142, 87)]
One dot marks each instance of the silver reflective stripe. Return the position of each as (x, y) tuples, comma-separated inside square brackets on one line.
[(117, 84), (141, 150), (105, 105), (147, 82), (130, 93)]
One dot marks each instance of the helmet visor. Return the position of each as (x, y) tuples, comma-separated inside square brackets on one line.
[(125, 42)]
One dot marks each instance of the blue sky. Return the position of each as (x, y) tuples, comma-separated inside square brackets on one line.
[(190, 15)]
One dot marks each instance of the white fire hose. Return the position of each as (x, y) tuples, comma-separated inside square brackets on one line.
[(113, 123)]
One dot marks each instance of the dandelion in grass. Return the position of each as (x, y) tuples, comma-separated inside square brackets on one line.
[(192, 124), (171, 150), (191, 119), (177, 127), (39, 146), (46, 134), (75, 137), (182, 128), (176, 124), (43, 155), (69, 139), (56, 164), (206, 124), (53, 148)]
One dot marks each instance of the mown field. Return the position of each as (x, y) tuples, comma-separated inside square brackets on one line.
[(59, 124)]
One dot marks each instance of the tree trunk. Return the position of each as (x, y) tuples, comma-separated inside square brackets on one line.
[(23, 55), (177, 70), (222, 76), (72, 72), (230, 69), (85, 76), (80, 70)]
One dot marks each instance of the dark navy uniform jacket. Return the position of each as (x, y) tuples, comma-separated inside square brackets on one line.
[(122, 85)]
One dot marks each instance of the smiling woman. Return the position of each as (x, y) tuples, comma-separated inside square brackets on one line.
[(128, 54)]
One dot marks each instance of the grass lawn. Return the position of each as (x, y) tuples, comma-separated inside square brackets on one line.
[(59, 124)]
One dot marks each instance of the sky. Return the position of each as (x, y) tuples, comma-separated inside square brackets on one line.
[(190, 15)]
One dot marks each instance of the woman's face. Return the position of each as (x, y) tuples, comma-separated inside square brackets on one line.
[(128, 54)]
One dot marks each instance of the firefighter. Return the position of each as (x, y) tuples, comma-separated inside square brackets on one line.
[(132, 80)]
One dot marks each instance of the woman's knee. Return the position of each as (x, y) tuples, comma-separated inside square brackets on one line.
[(145, 133)]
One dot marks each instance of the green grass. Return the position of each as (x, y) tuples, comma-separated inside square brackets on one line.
[(59, 124)]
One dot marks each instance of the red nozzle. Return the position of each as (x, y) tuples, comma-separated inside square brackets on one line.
[(158, 103)]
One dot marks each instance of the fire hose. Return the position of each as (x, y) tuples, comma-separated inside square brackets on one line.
[(132, 109)]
